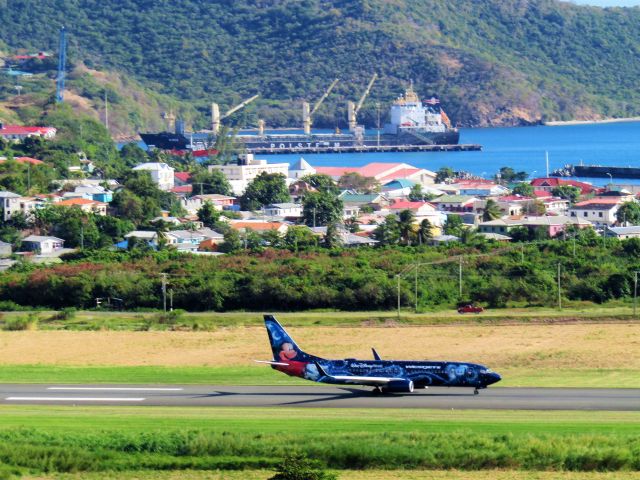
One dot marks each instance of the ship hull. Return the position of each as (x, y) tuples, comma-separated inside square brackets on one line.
[(174, 141)]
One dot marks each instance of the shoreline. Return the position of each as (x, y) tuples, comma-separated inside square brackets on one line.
[(590, 122)]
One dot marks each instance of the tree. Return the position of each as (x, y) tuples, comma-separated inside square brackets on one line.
[(425, 231), (208, 182), (568, 192), (629, 212), (453, 225), (132, 155), (388, 232), (208, 214), (416, 194), (355, 181), (509, 175), (298, 237), (265, 189), (332, 237), (296, 466), (321, 208), (491, 210), (321, 182), (443, 174), (232, 241), (524, 189), (352, 225), (405, 225)]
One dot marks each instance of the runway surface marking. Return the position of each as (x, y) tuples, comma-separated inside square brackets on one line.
[(73, 399), (117, 389), (493, 398)]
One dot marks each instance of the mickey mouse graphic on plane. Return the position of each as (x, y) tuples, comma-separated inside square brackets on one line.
[(386, 376)]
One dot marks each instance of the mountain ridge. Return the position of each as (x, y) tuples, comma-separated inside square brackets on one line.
[(491, 62)]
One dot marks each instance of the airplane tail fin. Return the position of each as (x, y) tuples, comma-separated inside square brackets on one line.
[(283, 346)]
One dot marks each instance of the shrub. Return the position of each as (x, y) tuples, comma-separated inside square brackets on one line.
[(296, 466), (21, 323)]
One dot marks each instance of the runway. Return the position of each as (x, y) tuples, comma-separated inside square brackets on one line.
[(321, 396)]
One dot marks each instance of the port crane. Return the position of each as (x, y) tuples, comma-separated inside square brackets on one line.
[(307, 112), (216, 118), (353, 109)]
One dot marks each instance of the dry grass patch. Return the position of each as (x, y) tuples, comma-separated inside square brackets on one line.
[(585, 346)]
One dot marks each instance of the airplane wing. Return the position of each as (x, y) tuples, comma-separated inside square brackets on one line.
[(270, 362), (372, 381), (375, 354)]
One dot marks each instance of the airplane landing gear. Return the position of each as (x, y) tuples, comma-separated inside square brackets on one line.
[(476, 391), (377, 391)]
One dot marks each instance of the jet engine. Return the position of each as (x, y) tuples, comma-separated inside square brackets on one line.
[(398, 386)]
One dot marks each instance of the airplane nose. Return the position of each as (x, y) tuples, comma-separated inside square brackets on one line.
[(494, 378)]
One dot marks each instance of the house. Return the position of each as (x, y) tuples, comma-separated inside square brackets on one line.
[(290, 210), (42, 244), (193, 237), (383, 172), (95, 192), (195, 203), (87, 206), (181, 179), (421, 210), (375, 200), (24, 160), (259, 226), (161, 174), (480, 188), (9, 204), (300, 169), (551, 225), (455, 203), (398, 188), (497, 237), (5, 249), (443, 239), (549, 183), (599, 210), (347, 239), (19, 133), (241, 174), (623, 232), (139, 236)]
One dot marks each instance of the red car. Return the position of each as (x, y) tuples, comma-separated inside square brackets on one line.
[(470, 309)]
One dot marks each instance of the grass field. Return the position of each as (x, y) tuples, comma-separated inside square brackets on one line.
[(84, 439), (572, 355), (350, 475)]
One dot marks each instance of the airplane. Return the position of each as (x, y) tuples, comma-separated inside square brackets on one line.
[(386, 376)]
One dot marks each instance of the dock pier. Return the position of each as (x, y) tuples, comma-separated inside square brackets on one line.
[(364, 149)]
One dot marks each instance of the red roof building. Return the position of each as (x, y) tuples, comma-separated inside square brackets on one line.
[(18, 132), (549, 183), (32, 161)]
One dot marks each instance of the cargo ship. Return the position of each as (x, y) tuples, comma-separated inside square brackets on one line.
[(413, 123)]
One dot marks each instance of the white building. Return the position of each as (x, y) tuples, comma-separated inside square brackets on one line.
[(283, 210), (601, 211), (161, 174), (241, 174), (42, 244), (301, 169), (10, 204)]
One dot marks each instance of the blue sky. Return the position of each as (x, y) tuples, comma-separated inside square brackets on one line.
[(609, 3)]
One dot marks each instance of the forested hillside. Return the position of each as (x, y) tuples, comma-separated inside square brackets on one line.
[(491, 61)]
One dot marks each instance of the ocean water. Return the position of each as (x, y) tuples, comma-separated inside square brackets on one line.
[(521, 148)]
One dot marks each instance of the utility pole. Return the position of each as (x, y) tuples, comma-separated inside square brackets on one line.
[(635, 294), (81, 237), (171, 300), (559, 289), (416, 285), (164, 291), (398, 278), (460, 277)]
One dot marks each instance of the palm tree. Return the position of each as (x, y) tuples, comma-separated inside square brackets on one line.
[(491, 211), (405, 222), (425, 232)]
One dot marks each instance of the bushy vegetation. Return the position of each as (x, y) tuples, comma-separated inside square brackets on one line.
[(491, 61), (51, 452), (307, 277)]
